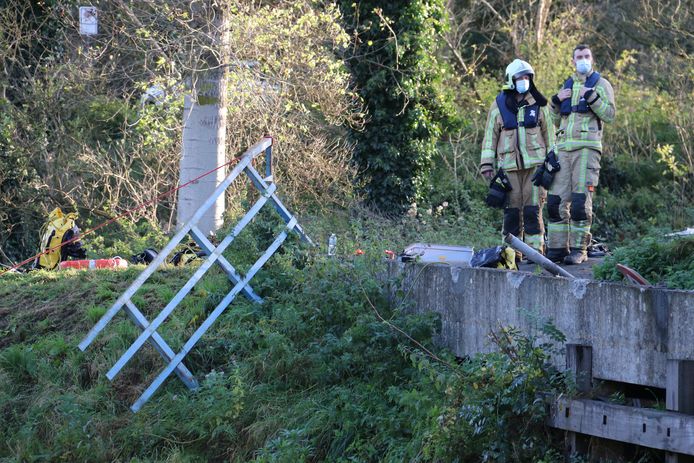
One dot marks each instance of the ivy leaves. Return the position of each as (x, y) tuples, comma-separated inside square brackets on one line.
[(395, 66)]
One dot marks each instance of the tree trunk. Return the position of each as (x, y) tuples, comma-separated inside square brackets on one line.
[(204, 133), (541, 21)]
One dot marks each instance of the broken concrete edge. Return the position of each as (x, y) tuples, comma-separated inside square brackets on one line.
[(455, 272)]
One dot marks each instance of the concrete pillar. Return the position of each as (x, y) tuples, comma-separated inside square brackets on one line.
[(579, 361), (679, 397)]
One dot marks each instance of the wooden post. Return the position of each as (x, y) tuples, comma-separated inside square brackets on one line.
[(679, 397), (579, 361)]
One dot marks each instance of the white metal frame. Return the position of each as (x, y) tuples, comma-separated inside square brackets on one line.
[(267, 189)]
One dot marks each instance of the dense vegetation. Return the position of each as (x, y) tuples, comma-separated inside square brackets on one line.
[(328, 368), (400, 77), (663, 262), (376, 109)]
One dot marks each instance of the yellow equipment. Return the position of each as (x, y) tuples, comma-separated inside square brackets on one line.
[(59, 228)]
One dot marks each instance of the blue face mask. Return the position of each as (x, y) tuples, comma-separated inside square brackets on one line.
[(522, 85), (583, 66)]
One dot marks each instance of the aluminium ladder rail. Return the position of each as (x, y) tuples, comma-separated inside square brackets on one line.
[(149, 334)]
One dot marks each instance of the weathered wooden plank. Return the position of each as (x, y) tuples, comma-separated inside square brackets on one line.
[(670, 431), (679, 394)]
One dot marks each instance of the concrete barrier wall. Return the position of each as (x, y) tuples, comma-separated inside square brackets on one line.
[(633, 331)]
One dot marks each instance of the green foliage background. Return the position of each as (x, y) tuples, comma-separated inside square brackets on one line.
[(394, 64), (401, 89)]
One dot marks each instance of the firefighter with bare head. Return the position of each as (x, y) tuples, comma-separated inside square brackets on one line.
[(581, 107), (518, 135)]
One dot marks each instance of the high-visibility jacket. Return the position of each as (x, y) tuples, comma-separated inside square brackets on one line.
[(516, 148), (584, 129)]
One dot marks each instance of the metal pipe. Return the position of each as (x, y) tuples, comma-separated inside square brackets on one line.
[(535, 256)]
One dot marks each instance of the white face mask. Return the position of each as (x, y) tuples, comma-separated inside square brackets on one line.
[(522, 85), (583, 66)]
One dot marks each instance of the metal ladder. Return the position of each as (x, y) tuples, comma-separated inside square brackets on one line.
[(174, 361)]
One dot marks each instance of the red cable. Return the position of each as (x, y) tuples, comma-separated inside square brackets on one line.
[(128, 212)]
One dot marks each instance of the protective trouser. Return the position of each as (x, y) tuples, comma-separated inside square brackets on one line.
[(523, 211), (570, 202)]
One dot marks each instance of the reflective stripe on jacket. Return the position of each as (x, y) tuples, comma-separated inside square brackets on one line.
[(518, 148), (584, 130)]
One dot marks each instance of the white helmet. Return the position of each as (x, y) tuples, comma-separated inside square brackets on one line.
[(516, 69)]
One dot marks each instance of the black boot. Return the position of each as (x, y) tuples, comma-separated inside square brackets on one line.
[(576, 257), (556, 255)]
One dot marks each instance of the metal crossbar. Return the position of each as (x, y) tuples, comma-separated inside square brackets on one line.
[(267, 189)]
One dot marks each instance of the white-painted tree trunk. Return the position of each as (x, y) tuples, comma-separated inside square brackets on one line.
[(204, 140), (204, 132)]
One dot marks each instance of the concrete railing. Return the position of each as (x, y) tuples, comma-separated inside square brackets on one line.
[(633, 331), (615, 332)]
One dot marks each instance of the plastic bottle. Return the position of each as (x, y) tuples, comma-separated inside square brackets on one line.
[(332, 245)]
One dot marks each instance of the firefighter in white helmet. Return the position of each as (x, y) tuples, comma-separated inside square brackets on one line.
[(518, 135)]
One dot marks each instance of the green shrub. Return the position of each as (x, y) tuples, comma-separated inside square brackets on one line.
[(662, 261), (499, 394), (400, 77), (19, 364)]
